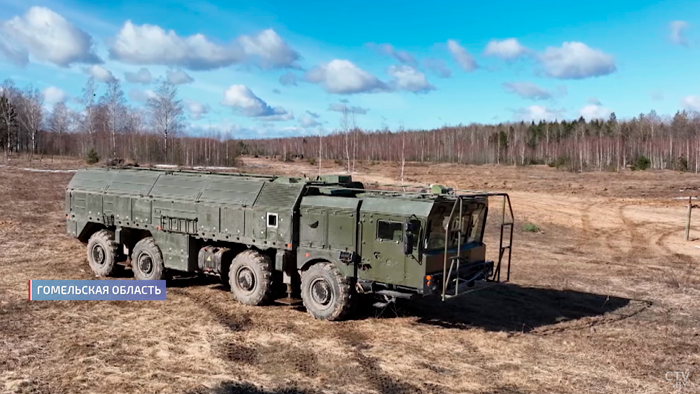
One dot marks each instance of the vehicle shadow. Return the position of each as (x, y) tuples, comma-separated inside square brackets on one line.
[(195, 280), (247, 388), (504, 307), (507, 307)]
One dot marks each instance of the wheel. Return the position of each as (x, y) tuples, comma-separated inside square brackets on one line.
[(250, 278), (326, 293), (102, 253), (147, 260)]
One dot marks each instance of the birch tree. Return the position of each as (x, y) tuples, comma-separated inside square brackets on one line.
[(87, 121), (59, 123), (115, 103), (30, 114), (166, 112), (8, 114), (8, 120)]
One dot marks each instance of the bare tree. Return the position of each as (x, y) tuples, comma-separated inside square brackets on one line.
[(88, 118), (134, 127), (59, 123), (30, 114), (320, 143), (115, 104), (354, 142), (344, 127), (403, 150), (8, 113), (166, 112)]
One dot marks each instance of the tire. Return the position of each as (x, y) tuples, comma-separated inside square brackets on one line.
[(326, 293), (102, 253), (147, 260), (250, 278)]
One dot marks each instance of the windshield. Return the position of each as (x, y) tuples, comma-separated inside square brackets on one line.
[(472, 224)]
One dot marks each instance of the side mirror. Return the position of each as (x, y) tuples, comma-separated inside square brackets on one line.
[(407, 243)]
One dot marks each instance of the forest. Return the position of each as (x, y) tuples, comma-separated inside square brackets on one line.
[(108, 127)]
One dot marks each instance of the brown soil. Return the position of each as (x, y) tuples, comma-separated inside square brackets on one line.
[(604, 298)]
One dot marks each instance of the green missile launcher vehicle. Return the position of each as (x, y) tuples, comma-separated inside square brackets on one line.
[(322, 241)]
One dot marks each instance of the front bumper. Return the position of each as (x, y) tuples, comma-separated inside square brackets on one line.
[(469, 273)]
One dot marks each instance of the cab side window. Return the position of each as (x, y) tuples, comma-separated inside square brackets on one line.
[(389, 231)]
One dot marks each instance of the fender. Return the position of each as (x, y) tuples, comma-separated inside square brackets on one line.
[(344, 260)]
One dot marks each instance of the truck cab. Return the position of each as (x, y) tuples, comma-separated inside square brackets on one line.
[(409, 246)]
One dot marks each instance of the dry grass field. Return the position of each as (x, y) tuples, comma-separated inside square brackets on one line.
[(603, 298)]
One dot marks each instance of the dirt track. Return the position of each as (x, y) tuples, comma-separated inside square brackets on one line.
[(604, 299)]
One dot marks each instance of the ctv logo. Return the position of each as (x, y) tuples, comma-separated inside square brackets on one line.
[(680, 380)]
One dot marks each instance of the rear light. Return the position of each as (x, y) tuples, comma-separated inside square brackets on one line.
[(431, 283)]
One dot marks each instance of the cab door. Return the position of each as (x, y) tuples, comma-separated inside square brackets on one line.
[(383, 258)]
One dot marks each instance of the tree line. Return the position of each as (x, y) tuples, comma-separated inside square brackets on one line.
[(108, 127), (644, 141)]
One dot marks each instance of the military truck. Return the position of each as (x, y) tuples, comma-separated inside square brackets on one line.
[(328, 240)]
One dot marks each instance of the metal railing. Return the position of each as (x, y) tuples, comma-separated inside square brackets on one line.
[(506, 228)]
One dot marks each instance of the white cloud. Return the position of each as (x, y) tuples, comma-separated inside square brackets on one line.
[(292, 129), (196, 109), (691, 103), (48, 37), (343, 77), (242, 100), (576, 60), (529, 90), (151, 44), (308, 120), (594, 101), (536, 113), (289, 79), (678, 29), (12, 52), (143, 76), (409, 79), (349, 109), (507, 49), (141, 95), (594, 111), (461, 56), (438, 67), (53, 95), (100, 73), (178, 77), (312, 114), (269, 50), (402, 56)]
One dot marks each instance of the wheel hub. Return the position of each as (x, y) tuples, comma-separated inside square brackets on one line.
[(145, 263), (321, 292), (98, 254), (246, 279)]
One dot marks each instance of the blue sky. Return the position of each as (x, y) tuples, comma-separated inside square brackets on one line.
[(269, 68)]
